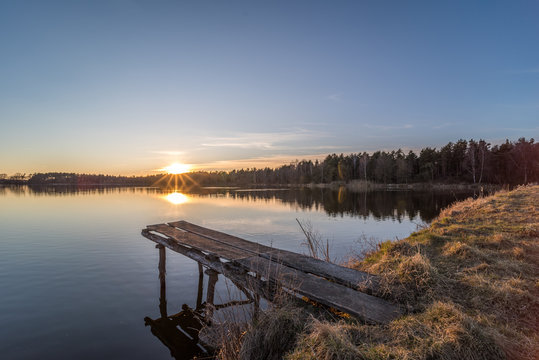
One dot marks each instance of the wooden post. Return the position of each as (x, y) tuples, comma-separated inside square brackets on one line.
[(200, 286), (213, 277), (162, 281)]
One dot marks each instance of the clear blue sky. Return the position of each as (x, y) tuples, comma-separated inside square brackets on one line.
[(126, 87)]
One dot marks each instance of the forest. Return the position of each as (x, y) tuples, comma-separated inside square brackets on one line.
[(464, 161), (472, 162)]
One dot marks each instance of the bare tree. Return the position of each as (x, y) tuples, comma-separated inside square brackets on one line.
[(483, 152), (471, 158)]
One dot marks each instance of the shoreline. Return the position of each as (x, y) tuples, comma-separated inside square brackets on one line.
[(366, 186), (468, 282), (354, 186)]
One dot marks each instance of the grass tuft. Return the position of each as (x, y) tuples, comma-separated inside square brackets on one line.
[(273, 334), (441, 332), (326, 341)]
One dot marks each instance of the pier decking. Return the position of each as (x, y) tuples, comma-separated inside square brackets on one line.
[(262, 269)]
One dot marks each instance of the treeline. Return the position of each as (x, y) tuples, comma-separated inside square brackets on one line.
[(474, 162), (81, 180), (463, 161)]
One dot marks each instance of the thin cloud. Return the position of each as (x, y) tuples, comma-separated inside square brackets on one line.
[(327, 147), (167, 152), (237, 143), (258, 162), (444, 125), (270, 140), (313, 123), (388, 127), (534, 70), (335, 97), (520, 129), (521, 106)]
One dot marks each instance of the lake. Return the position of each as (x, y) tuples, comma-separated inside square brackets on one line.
[(77, 279)]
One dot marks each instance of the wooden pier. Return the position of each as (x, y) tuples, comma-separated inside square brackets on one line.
[(262, 269)]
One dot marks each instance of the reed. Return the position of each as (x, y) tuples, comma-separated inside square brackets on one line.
[(317, 247)]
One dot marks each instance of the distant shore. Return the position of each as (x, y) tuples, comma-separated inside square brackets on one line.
[(355, 185)]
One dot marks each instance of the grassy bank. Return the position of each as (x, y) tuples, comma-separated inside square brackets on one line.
[(469, 283)]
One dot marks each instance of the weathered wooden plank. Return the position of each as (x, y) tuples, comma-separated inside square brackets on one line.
[(345, 276), (369, 308), (230, 240), (231, 271), (199, 242)]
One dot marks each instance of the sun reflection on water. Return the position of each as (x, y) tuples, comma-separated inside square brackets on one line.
[(177, 198)]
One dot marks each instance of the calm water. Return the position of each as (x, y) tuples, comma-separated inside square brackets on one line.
[(77, 278)]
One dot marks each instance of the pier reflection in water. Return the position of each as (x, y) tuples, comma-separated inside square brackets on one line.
[(179, 332)]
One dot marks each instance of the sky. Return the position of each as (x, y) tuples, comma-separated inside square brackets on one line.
[(128, 87)]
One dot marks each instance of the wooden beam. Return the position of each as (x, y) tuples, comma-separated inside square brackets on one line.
[(221, 237), (355, 279), (200, 243), (369, 308)]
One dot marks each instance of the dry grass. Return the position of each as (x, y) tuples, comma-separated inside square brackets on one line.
[(408, 275), (480, 256), (326, 341), (442, 331), (274, 334), (227, 338), (469, 281), (317, 247), (226, 330)]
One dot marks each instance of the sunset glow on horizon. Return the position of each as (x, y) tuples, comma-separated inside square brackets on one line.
[(177, 168)]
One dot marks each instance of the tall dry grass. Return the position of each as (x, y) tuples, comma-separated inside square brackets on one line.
[(480, 257), (316, 246)]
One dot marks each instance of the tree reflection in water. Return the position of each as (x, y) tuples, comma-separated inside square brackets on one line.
[(380, 205)]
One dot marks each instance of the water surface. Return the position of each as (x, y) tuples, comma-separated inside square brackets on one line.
[(77, 278)]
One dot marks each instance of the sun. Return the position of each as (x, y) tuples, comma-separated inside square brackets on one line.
[(177, 168), (176, 177)]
